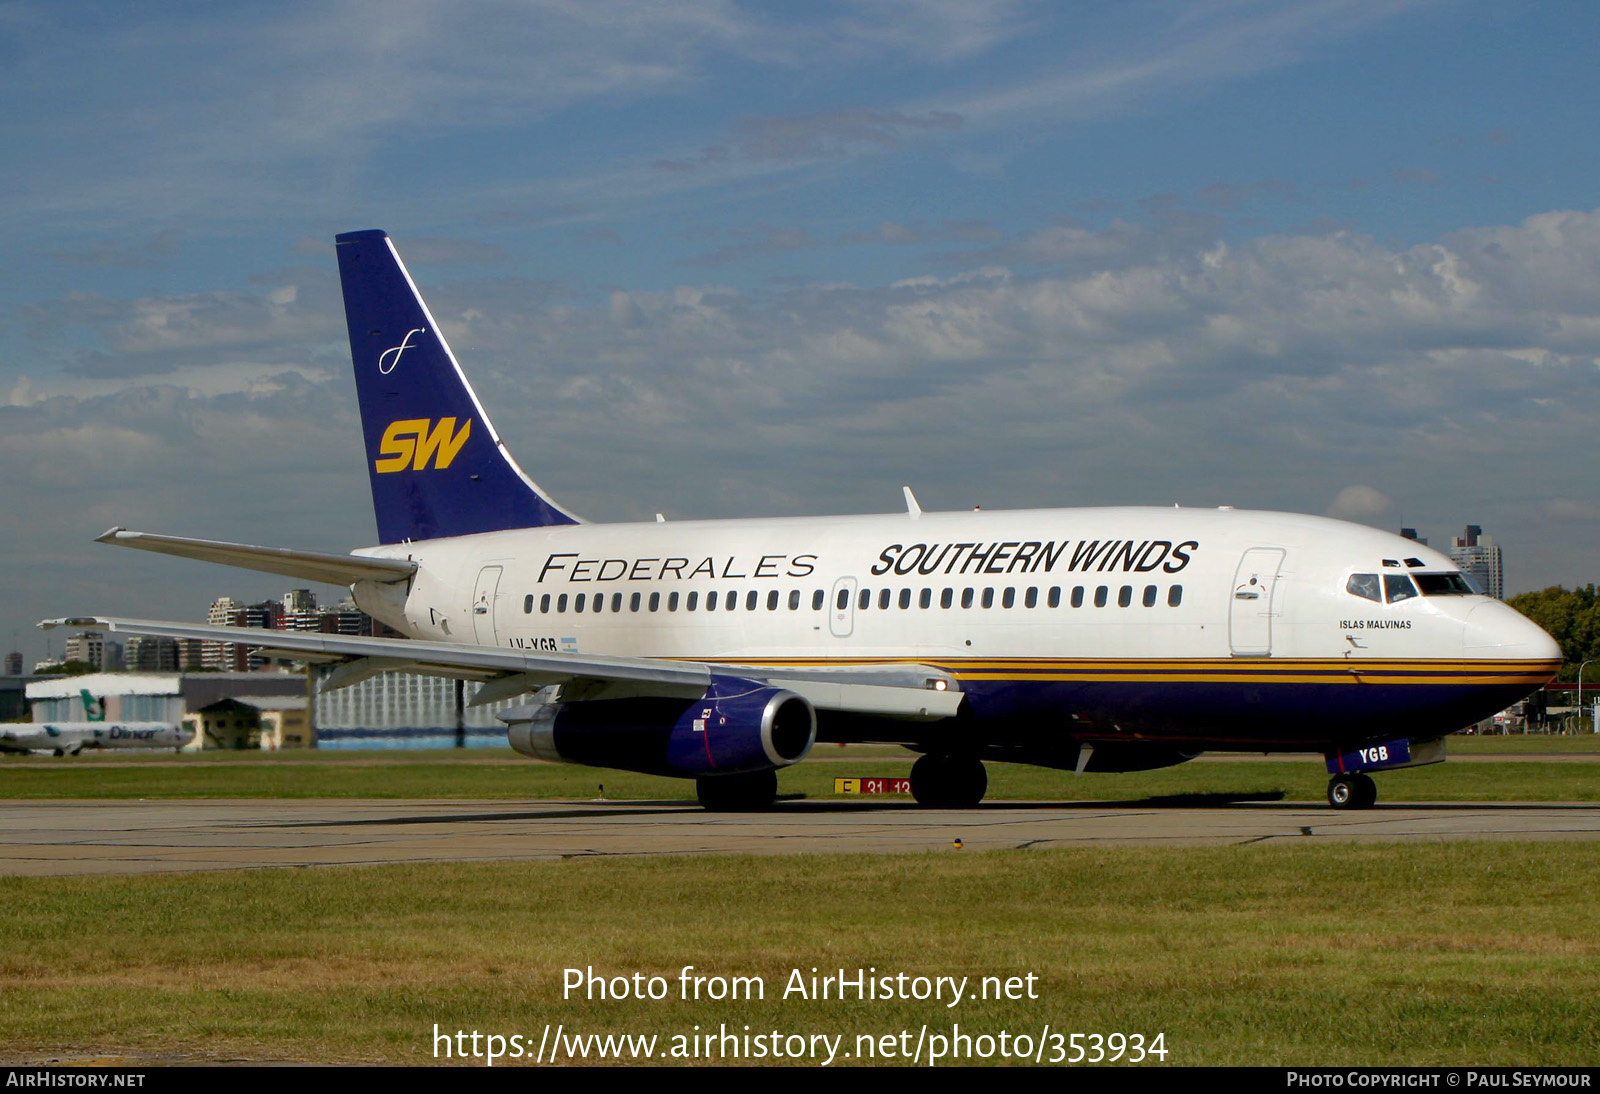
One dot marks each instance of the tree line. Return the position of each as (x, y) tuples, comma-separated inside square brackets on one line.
[(1572, 616)]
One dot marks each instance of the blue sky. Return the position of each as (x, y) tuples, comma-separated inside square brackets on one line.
[(716, 258)]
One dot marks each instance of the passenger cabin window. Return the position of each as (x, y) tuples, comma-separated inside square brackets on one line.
[(794, 600), (527, 604), (1149, 596), (1175, 596), (711, 601), (1125, 596), (816, 600), (1398, 587), (1100, 595), (1363, 585), (1077, 596)]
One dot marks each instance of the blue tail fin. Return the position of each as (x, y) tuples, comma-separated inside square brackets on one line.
[(437, 466)]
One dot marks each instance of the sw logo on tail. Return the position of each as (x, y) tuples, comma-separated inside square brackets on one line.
[(413, 443)]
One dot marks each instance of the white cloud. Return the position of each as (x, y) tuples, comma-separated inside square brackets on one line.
[(1361, 503)]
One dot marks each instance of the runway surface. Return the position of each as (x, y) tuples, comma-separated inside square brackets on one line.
[(40, 838)]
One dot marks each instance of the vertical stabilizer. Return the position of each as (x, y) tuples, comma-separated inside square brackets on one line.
[(438, 467)]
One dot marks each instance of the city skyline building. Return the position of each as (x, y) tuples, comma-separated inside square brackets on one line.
[(145, 653), (93, 648), (297, 611), (1479, 556)]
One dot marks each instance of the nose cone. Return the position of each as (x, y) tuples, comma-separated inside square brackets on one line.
[(1494, 630)]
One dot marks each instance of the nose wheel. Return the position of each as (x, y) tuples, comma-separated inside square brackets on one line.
[(1353, 791)]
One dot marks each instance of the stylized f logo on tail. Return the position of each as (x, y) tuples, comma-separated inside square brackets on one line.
[(93, 709), (386, 363)]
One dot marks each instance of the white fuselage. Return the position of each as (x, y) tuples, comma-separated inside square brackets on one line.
[(74, 736), (1082, 583), (1204, 629)]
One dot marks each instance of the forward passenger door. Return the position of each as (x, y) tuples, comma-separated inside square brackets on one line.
[(1250, 610)]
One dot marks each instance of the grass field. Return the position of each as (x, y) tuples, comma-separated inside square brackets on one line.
[(1441, 954), (499, 774), (1451, 953)]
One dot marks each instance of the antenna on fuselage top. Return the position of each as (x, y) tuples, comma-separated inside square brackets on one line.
[(911, 503)]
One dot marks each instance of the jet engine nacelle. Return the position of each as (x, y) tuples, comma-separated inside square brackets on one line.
[(738, 726)]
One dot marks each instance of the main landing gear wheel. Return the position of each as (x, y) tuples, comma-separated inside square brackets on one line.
[(948, 782), (737, 793), (1355, 791)]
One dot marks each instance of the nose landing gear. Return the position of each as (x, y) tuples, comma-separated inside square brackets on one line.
[(1352, 791)]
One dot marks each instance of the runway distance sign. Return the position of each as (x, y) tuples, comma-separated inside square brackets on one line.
[(872, 786)]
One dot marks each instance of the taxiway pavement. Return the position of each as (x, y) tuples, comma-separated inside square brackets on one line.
[(41, 838)]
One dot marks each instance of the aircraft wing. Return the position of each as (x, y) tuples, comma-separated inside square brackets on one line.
[(906, 691)]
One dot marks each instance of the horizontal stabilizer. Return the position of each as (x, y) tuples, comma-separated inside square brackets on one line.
[(308, 565)]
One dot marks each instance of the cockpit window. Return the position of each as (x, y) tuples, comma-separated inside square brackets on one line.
[(1364, 586), (1444, 584), (1398, 587)]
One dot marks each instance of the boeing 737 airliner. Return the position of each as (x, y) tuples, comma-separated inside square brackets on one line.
[(71, 738), (1114, 639), (95, 732)]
